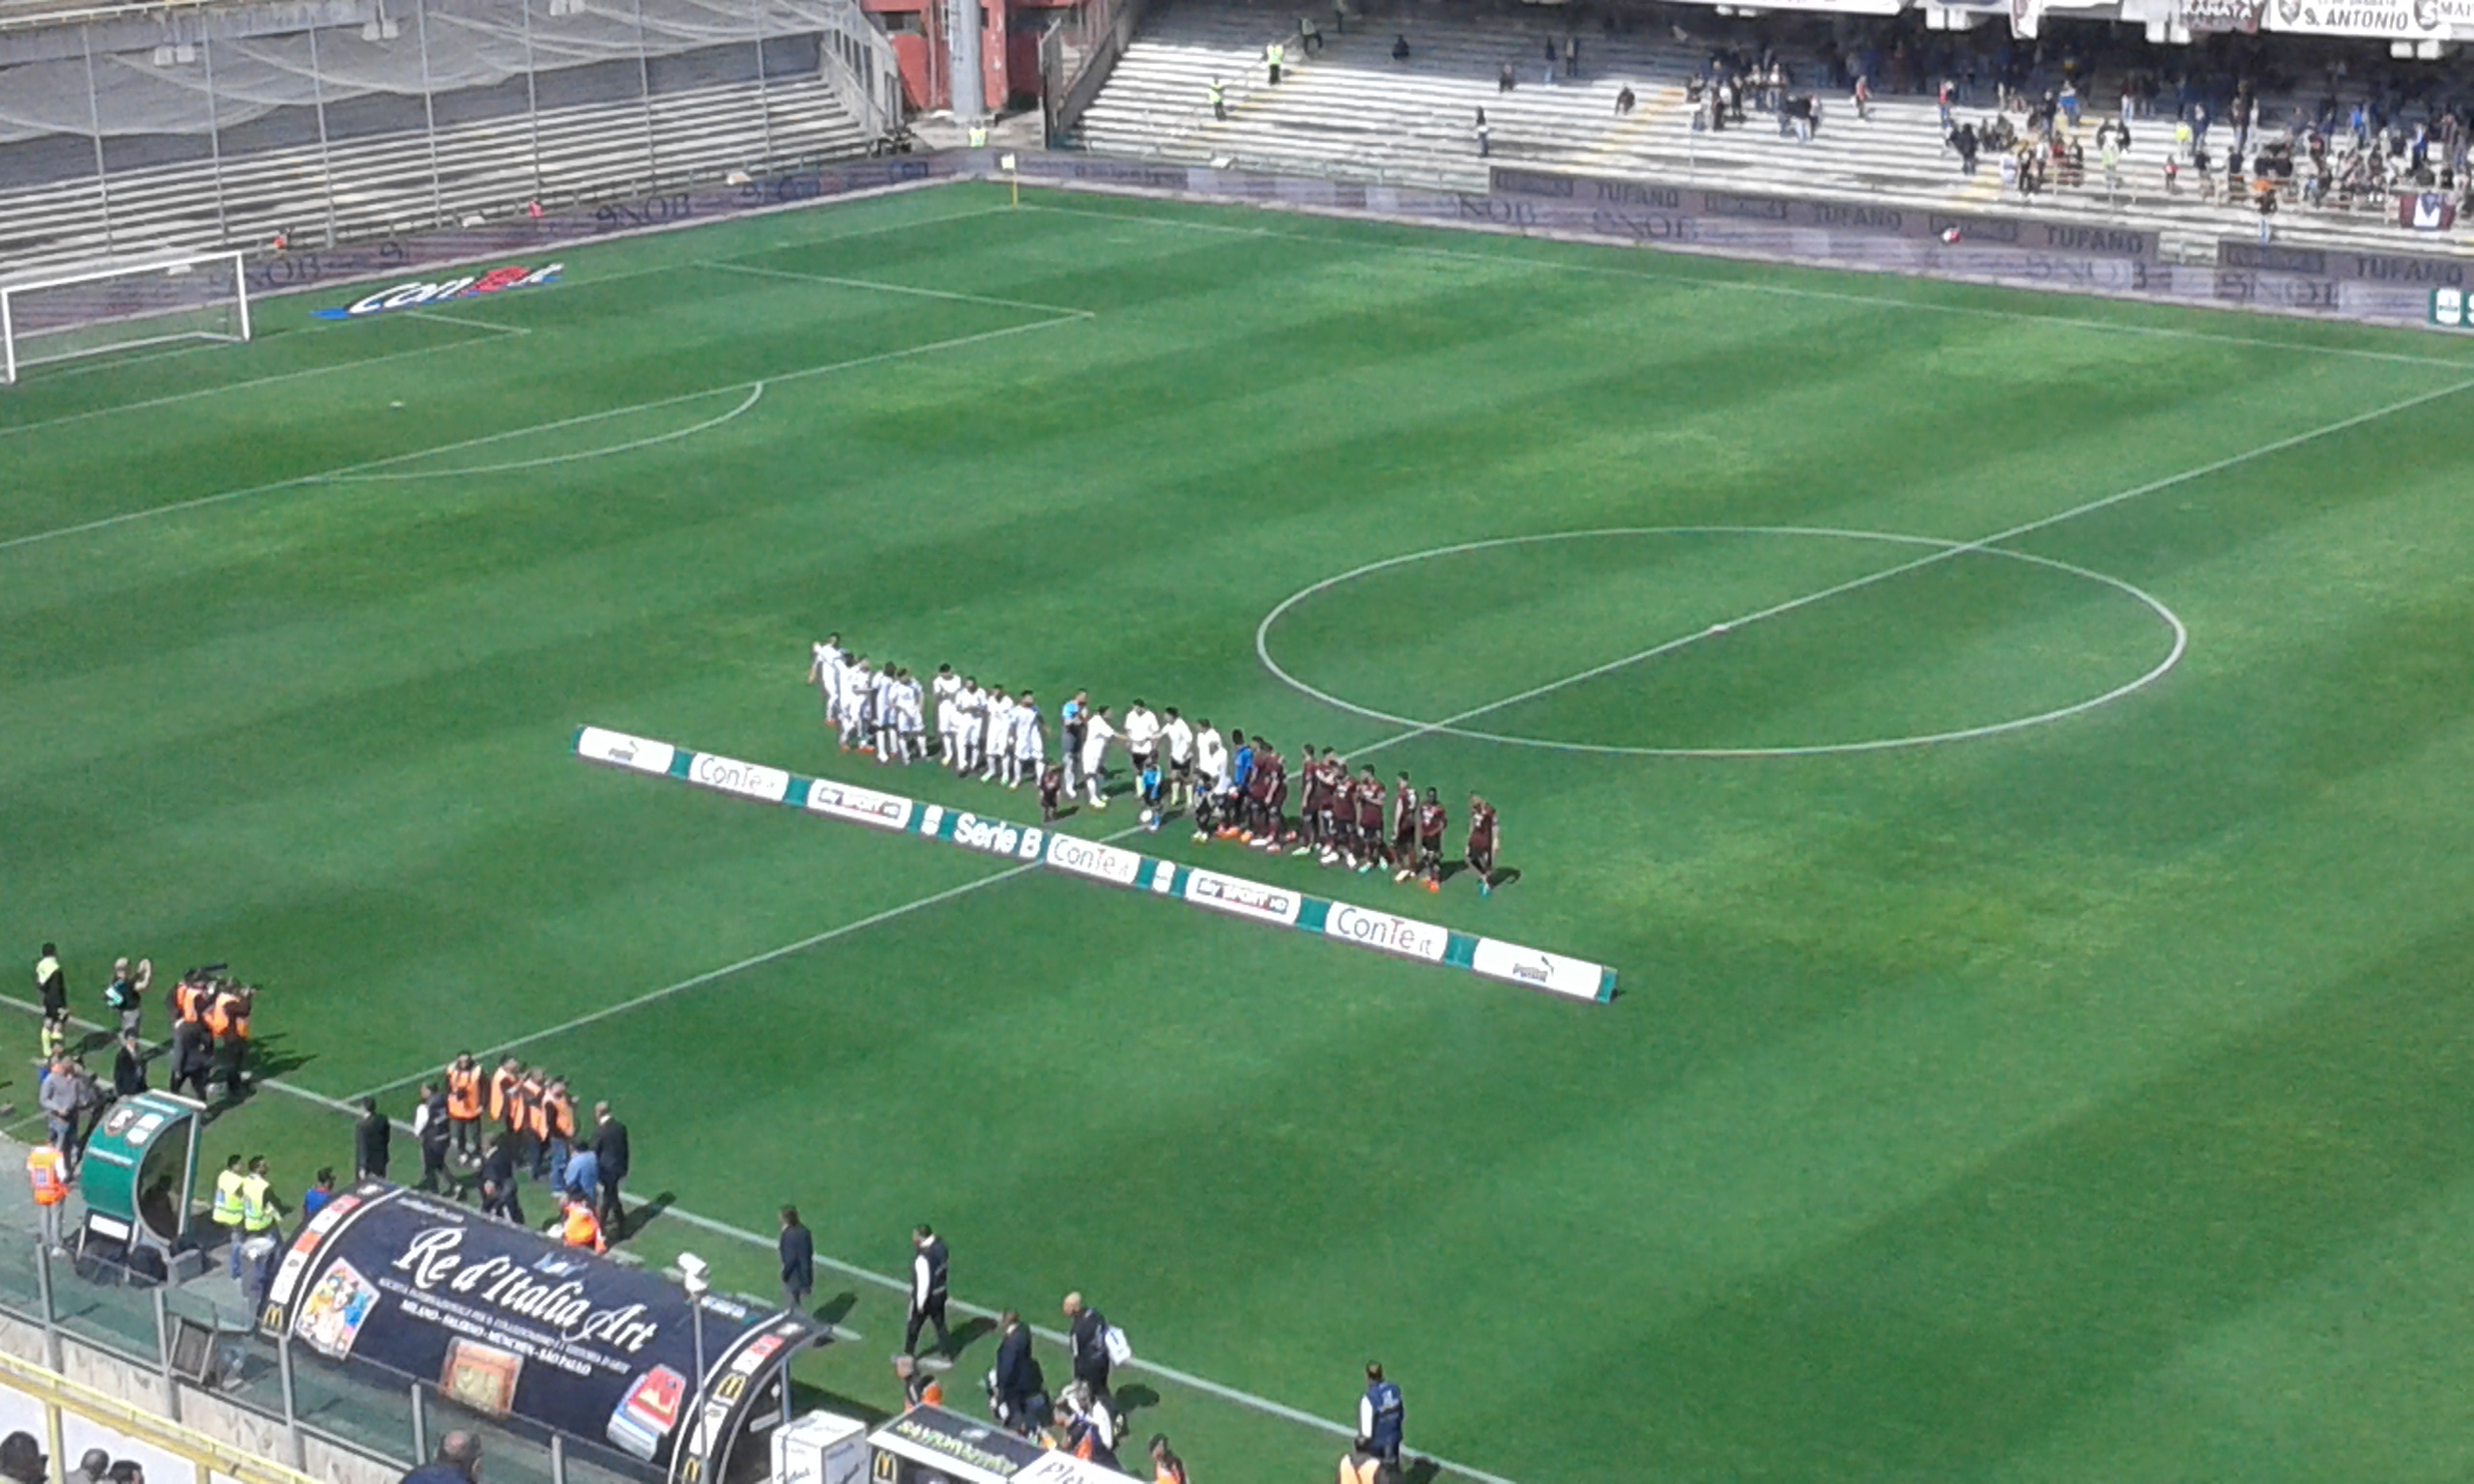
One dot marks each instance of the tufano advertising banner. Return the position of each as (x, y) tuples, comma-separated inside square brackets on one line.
[(514, 1324)]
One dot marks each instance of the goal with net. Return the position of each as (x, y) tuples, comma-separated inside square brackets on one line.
[(98, 310)]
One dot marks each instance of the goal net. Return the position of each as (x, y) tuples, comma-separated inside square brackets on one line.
[(95, 311)]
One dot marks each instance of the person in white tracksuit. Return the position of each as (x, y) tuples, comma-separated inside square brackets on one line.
[(1095, 737)]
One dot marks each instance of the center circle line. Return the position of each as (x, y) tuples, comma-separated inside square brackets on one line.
[(1450, 728)]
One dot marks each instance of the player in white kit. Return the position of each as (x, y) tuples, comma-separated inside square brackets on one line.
[(856, 677), (944, 690), (996, 747), (970, 728), (880, 713), (1030, 748), (824, 673), (1096, 734), (1177, 739), (908, 704)]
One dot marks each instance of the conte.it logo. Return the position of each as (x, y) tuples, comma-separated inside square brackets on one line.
[(417, 293)]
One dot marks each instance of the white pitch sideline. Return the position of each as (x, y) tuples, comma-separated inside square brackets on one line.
[(1187, 1378)]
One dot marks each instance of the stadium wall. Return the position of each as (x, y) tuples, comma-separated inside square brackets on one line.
[(2308, 282)]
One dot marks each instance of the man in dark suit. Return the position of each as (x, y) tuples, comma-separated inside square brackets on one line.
[(371, 1137), (1088, 1345), (129, 1067), (193, 1058), (797, 1247), (610, 1150), (1021, 1395)]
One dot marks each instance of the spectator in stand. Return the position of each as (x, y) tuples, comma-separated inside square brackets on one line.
[(1572, 57), (1624, 102), (1309, 37), (610, 1145), (1505, 81), (1483, 135), (1399, 51), (1862, 93), (796, 1247), (458, 1462), (370, 1138)]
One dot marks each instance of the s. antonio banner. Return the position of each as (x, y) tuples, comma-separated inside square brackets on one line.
[(1033, 844), (513, 1324)]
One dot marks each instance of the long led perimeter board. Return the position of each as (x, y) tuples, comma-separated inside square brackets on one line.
[(1033, 844)]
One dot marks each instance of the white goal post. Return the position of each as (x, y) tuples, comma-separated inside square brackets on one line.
[(96, 310)]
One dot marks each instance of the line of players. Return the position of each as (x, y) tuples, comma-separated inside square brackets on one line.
[(1232, 789)]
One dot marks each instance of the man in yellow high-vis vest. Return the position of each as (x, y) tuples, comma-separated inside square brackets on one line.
[(227, 1208)]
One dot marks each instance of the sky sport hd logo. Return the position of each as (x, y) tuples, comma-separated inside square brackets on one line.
[(418, 295)]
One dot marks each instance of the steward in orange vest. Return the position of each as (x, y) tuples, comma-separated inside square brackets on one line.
[(583, 1228), (502, 1089), (464, 1103), (47, 1172), (556, 1135), (524, 1114)]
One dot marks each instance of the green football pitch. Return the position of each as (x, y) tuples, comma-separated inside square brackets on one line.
[(2077, 1090)]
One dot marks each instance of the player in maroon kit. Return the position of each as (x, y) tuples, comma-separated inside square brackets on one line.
[(1276, 813), (1404, 830), (1311, 813), (1268, 788), (1339, 820), (1431, 823), (1369, 853), (1481, 843)]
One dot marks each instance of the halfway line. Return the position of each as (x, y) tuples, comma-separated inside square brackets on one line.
[(1451, 724)]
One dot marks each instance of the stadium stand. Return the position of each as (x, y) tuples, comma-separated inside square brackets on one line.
[(383, 184), (1353, 110), (164, 130)]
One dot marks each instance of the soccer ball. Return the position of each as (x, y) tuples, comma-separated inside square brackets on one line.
[(1151, 819)]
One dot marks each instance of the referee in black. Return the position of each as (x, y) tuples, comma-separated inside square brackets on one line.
[(929, 1272)]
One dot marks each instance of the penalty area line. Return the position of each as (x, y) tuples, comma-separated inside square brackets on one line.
[(347, 472)]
